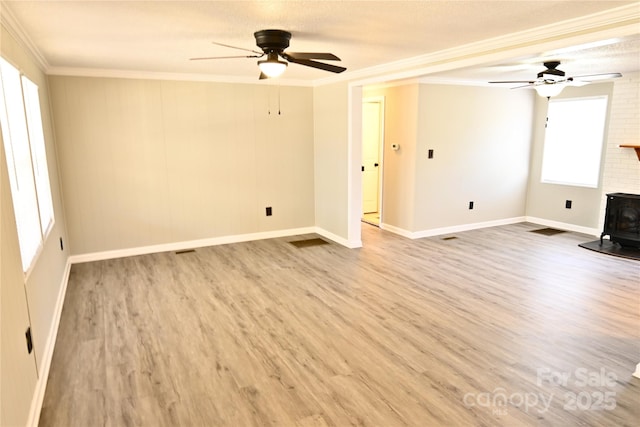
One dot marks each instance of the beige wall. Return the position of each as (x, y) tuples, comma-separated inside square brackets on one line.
[(547, 201), (481, 139), (148, 162), (331, 127), (399, 167), (43, 285)]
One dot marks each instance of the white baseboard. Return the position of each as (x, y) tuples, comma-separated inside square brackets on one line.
[(189, 244), (47, 355), (452, 229), (351, 244), (563, 226), (466, 227), (396, 230)]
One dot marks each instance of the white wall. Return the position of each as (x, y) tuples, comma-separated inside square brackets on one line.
[(547, 201), (148, 162), (331, 127), (399, 167), (47, 276), (481, 139), (621, 165)]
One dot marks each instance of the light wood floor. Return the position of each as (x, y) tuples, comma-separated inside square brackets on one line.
[(429, 332)]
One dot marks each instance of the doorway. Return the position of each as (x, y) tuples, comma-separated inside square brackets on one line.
[(372, 149)]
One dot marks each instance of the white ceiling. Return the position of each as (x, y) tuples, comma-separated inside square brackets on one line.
[(161, 36)]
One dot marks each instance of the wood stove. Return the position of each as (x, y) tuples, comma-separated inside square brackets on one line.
[(622, 219)]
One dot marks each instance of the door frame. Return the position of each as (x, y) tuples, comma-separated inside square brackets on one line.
[(379, 99)]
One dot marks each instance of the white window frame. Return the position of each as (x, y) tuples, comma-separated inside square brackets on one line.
[(574, 141), (25, 154)]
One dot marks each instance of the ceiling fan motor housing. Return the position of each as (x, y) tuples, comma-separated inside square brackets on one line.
[(272, 40), (551, 70)]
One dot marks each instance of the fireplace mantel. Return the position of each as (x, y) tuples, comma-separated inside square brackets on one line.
[(636, 147)]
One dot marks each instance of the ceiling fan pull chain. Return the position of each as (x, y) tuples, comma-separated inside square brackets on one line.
[(279, 113)]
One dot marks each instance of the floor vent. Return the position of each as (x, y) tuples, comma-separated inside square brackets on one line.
[(309, 242), (186, 251), (547, 231), (449, 238)]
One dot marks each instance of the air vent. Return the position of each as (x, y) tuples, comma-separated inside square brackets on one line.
[(309, 242), (547, 231), (186, 251)]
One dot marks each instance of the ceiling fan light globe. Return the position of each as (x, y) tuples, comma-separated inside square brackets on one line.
[(272, 68), (548, 90)]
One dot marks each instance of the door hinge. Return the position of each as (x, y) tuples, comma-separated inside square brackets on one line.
[(29, 340)]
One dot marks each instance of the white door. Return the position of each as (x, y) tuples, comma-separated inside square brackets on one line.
[(371, 140)]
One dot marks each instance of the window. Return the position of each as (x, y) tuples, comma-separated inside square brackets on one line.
[(24, 147), (573, 141)]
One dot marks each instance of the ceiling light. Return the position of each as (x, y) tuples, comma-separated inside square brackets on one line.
[(548, 90), (272, 67)]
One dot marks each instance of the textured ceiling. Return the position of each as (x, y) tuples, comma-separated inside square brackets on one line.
[(161, 36)]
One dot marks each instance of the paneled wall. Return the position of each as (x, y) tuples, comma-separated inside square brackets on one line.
[(147, 162)]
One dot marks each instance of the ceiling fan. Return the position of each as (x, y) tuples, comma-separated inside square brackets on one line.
[(551, 81), (273, 44)]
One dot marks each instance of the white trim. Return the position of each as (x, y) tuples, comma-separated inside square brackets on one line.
[(47, 355), (189, 244), (354, 163), (564, 226), (474, 226), (466, 227), (13, 27), (351, 244), (616, 22), (451, 229), (157, 75), (637, 372), (396, 230)]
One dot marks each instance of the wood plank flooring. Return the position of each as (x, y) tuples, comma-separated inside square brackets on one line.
[(481, 330)]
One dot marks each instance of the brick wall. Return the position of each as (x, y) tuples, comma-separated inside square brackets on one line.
[(621, 166)]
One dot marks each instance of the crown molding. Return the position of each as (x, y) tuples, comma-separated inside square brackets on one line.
[(618, 22), (11, 24), (153, 75)]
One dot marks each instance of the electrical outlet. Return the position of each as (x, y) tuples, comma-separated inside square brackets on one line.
[(470, 205), (567, 204), (269, 211)]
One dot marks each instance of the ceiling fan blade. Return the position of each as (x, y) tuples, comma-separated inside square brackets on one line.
[(315, 64), (571, 81), (596, 77), (529, 85), (313, 55), (226, 57), (514, 81), (239, 48)]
